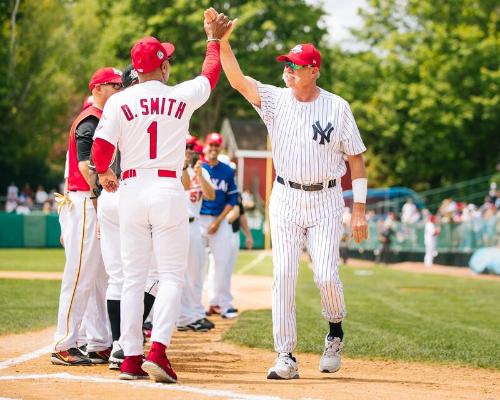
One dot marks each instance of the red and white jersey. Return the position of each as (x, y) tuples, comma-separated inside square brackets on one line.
[(309, 139), (194, 194), (149, 122)]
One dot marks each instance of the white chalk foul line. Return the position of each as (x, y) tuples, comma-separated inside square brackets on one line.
[(256, 261), (141, 384), (25, 357)]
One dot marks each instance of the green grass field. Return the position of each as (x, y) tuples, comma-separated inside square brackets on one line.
[(46, 260), (27, 305), (391, 314)]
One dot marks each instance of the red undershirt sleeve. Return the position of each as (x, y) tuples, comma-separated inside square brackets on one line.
[(102, 154), (212, 66)]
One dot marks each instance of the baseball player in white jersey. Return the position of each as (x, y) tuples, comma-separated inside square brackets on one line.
[(107, 216), (192, 314), (149, 123), (84, 280), (310, 130)]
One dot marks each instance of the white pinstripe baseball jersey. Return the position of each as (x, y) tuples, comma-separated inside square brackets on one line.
[(308, 139)]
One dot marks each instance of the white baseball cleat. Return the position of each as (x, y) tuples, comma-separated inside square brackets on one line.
[(330, 360), (285, 367)]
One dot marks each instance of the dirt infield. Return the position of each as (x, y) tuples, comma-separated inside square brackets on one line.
[(210, 368)]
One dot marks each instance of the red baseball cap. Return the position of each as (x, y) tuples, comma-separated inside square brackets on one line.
[(214, 138), (148, 54), (191, 140), (105, 75), (303, 54)]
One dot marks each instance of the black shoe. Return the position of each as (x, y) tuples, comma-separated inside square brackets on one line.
[(83, 349), (196, 326), (209, 324), (71, 356), (99, 357)]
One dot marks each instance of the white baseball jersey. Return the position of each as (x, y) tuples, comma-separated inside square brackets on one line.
[(149, 123), (308, 139), (194, 195), (146, 142)]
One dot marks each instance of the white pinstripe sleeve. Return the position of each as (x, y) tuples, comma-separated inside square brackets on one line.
[(268, 96), (351, 142)]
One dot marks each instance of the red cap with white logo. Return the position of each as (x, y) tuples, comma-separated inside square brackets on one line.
[(105, 75), (303, 54), (148, 54), (214, 138)]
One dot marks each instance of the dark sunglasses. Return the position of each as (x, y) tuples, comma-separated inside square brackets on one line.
[(114, 85), (294, 66), (189, 146), (171, 59)]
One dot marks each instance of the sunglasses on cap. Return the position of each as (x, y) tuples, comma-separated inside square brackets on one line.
[(294, 66), (114, 85), (190, 146)]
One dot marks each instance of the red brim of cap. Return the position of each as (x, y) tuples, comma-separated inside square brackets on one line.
[(169, 48), (290, 57), (116, 79)]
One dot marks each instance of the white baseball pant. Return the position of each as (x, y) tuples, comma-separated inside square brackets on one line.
[(218, 245), (191, 306), (83, 268), (153, 217), (109, 225), (298, 217)]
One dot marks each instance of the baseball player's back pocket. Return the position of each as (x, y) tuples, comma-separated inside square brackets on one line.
[(168, 205)]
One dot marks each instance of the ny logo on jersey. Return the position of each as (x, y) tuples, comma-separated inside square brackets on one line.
[(324, 133)]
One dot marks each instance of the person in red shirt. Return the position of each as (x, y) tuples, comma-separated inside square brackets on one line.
[(84, 279)]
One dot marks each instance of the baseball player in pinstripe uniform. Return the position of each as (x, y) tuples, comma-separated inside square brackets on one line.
[(310, 130)]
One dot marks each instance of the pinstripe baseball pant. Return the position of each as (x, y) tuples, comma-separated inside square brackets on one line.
[(298, 217)]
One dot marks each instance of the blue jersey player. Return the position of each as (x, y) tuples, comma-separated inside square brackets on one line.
[(216, 232)]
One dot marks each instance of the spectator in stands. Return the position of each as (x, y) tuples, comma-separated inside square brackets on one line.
[(409, 212), (385, 239), (12, 192), (23, 209), (12, 198), (26, 196), (447, 210), (431, 233), (41, 195)]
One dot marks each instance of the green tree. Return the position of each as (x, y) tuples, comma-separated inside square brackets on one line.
[(266, 28), (434, 115)]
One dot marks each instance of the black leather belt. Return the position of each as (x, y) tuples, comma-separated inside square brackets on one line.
[(308, 188), (191, 219)]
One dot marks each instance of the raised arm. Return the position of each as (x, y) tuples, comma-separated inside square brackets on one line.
[(246, 85), (215, 27)]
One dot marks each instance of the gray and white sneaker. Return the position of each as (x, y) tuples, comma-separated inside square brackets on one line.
[(285, 367), (330, 360), (117, 356)]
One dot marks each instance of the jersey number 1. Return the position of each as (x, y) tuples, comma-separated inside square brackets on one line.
[(152, 130)]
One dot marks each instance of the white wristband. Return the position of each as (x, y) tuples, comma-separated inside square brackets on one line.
[(359, 189)]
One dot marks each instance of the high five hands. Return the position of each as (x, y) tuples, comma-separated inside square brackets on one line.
[(217, 25)]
